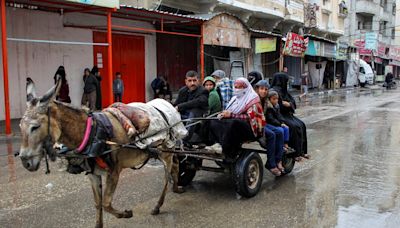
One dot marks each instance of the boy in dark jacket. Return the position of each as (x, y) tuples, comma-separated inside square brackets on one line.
[(118, 87), (274, 117)]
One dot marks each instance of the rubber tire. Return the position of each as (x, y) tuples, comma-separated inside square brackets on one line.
[(186, 175), (362, 85), (241, 171), (288, 164)]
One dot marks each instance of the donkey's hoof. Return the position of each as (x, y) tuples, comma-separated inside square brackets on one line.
[(127, 214), (155, 211), (99, 226), (179, 190)]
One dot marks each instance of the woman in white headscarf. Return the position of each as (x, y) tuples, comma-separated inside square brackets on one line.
[(243, 120)]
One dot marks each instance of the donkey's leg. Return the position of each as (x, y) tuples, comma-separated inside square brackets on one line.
[(111, 184), (175, 175), (98, 196), (167, 160)]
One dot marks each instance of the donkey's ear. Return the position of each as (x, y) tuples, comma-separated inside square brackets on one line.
[(30, 90), (51, 94)]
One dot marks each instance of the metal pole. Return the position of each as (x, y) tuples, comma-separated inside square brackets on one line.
[(109, 60), (5, 66), (334, 73), (202, 54)]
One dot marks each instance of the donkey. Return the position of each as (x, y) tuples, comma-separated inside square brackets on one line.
[(48, 120)]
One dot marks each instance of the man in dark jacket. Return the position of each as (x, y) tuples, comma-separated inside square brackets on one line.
[(192, 100), (89, 90)]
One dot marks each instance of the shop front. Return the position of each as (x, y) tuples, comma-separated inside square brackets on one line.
[(226, 45), (321, 63), (266, 53), (293, 51)]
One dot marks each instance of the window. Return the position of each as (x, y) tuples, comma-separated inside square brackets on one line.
[(384, 4), (394, 9), (382, 27), (325, 2), (359, 26), (393, 33)]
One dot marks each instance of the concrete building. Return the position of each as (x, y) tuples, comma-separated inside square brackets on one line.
[(397, 25), (44, 35), (376, 17), (324, 25)]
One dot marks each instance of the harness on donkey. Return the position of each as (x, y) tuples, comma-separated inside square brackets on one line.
[(95, 147)]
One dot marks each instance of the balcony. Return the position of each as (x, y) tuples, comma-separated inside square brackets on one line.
[(295, 11), (365, 7), (263, 8)]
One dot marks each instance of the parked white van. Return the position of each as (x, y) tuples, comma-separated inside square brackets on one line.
[(365, 74)]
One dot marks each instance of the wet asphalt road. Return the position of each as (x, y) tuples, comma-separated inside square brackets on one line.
[(352, 180)]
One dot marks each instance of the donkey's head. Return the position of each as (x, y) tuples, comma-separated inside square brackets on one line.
[(38, 129)]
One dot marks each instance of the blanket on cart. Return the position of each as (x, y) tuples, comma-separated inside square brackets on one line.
[(153, 123)]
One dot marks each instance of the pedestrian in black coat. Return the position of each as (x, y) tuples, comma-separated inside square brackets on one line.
[(287, 104)]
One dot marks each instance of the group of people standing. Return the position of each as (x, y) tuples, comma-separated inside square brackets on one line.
[(92, 88), (249, 109)]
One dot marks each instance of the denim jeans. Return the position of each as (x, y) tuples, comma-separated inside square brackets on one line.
[(285, 134), (274, 136)]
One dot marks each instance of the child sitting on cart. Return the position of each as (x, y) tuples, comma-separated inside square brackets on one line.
[(273, 135)]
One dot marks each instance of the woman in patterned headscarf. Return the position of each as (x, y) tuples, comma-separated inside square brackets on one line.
[(243, 120)]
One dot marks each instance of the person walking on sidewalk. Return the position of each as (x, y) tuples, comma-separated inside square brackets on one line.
[(63, 94), (95, 71), (89, 90), (118, 87), (304, 85)]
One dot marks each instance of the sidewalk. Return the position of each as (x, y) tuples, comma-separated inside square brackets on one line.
[(320, 92)]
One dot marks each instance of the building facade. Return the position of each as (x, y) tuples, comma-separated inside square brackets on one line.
[(165, 38), (373, 23)]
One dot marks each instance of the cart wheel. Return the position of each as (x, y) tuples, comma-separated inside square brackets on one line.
[(187, 169), (248, 174), (288, 163)]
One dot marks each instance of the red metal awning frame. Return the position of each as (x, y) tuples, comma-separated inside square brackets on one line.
[(132, 14)]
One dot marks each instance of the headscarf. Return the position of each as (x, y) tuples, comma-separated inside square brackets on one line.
[(209, 78), (243, 98), (280, 84), (60, 71), (254, 77)]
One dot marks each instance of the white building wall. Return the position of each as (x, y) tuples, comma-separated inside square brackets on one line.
[(40, 61), (397, 24)]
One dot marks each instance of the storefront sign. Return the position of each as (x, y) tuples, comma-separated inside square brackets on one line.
[(310, 20), (313, 48), (341, 51), (371, 40), (378, 60), (394, 53), (360, 44), (295, 45), (329, 50), (226, 30), (103, 3), (265, 45), (382, 50)]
